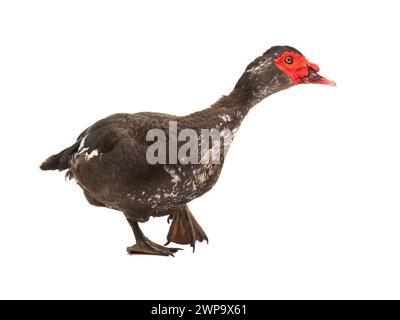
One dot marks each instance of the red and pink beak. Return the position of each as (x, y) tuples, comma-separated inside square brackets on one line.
[(314, 77)]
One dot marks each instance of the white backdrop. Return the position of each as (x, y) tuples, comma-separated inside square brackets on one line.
[(307, 205)]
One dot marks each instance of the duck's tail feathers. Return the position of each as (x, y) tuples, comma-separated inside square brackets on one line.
[(60, 161)]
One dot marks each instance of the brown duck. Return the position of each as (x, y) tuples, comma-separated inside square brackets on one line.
[(110, 159)]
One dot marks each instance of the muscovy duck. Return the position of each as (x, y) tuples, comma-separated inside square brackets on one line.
[(110, 160)]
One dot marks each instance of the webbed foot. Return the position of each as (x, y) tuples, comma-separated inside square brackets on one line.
[(146, 246), (185, 229)]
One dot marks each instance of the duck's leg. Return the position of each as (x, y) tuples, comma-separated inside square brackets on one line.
[(146, 246), (184, 228)]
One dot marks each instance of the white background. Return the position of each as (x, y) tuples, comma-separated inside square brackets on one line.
[(308, 203)]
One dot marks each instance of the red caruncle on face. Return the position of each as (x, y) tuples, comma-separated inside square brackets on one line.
[(295, 66)]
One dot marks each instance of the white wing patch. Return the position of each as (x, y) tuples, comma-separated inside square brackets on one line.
[(81, 145), (94, 153)]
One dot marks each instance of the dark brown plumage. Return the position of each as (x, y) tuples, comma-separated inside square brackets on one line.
[(109, 163)]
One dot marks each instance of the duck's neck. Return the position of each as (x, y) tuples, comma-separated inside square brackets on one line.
[(238, 100), (260, 80), (228, 111)]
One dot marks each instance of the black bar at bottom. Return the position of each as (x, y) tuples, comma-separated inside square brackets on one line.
[(200, 309)]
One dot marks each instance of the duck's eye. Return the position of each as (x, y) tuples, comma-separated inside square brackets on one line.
[(289, 60)]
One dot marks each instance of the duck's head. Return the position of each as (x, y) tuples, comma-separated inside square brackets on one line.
[(296, 67), (279, 68)]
